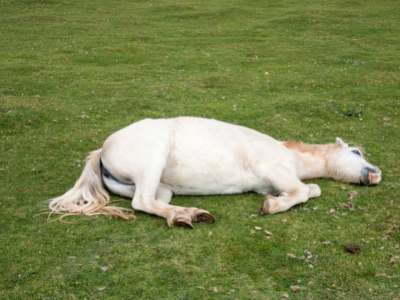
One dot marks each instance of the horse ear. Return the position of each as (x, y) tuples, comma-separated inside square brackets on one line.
[(340, 142)]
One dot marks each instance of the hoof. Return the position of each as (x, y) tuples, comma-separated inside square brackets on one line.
[(183, 223), (204, 217), (266, 209)]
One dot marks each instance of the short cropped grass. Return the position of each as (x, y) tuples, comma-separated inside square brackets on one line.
[(73, 72)]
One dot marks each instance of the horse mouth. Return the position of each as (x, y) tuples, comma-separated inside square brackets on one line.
[(371, 176)]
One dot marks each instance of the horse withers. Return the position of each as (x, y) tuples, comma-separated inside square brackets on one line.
[(152, 160)]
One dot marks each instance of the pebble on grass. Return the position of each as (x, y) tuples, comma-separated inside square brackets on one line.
[(353, 248), (295, 288)]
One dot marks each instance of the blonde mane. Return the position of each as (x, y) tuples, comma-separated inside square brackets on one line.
[(313, 149)]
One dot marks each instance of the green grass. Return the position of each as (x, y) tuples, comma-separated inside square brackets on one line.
[(299, 70)]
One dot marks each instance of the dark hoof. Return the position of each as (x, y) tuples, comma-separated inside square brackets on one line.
[(183, 223), (205, 218)]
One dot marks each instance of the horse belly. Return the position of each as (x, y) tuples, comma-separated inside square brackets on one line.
[(209, 172), (209, 184)]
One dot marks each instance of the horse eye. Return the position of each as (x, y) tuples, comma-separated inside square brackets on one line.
[(356, 152)]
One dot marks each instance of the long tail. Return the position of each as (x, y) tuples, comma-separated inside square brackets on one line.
[(88, 196)]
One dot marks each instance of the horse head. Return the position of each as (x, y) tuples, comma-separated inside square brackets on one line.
[(349, 165)]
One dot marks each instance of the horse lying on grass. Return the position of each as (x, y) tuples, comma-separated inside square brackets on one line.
[(151, 160)]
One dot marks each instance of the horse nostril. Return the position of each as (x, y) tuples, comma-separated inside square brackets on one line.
[(373, 169), (371, 176)]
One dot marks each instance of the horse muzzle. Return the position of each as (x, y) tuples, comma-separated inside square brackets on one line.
[(371, 176)]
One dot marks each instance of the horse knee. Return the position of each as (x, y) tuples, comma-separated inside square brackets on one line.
[(302, 194), (315, 190)]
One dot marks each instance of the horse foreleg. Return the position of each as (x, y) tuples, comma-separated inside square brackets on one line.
[(285, 201), (315, 190), (292, 192)]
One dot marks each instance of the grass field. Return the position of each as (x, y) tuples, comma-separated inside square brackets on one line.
[(73, 72)]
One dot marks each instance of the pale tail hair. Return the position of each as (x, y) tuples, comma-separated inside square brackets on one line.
[(88, 196)]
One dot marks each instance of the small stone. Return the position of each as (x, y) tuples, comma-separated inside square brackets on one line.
[(295, 288), (214, 289), (353, 248)]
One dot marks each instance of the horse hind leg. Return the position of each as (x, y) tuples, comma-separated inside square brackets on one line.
[(179, 218), (182, 216), (175, 215), (153, 197)]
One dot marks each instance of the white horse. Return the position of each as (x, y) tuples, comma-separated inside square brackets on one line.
[(151, 160)]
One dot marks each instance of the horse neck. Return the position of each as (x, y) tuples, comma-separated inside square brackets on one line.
[(311, 159)]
